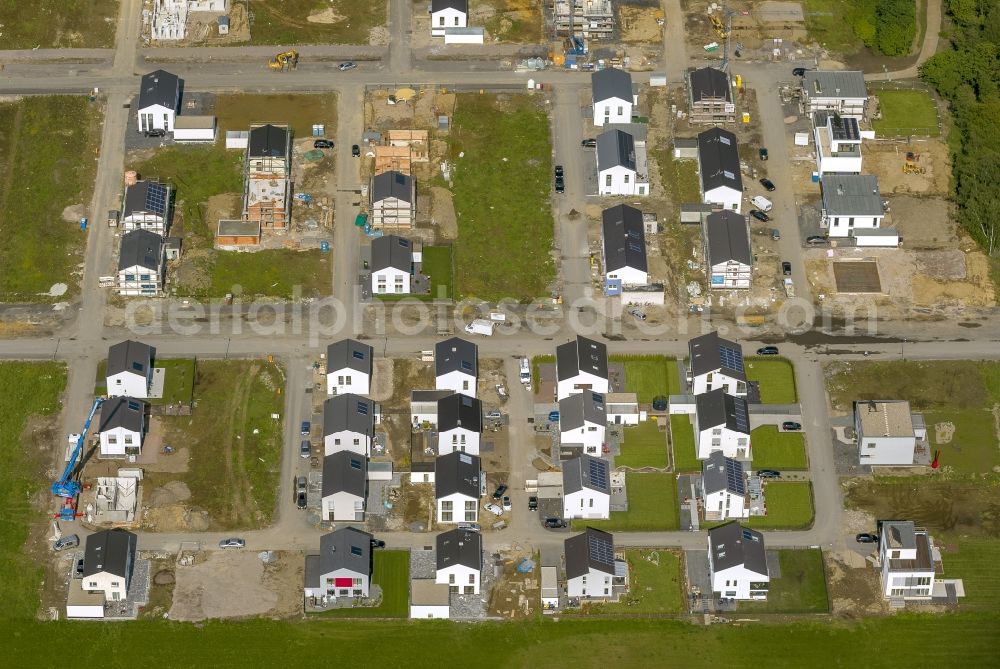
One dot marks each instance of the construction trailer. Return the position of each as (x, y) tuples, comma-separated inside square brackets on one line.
[(592, 19)]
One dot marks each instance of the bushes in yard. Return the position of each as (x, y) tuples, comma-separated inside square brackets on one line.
[(895, 26)]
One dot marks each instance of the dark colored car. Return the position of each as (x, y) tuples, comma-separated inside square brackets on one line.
[(798, 71), (78, 572), (768, 184), (791, 426), (378, 543), (355, 150), (786, 268), (767, 350), (816, 240), (560, 185), (759, 215), (322, 144), (306, 428), (554, 523), (762, 153), (533, 503), (866, 538), (769, 474), (559, 171), (501, 489), (300, 500), (589, 143)]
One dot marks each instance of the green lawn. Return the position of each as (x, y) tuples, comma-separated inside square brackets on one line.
[(178, 386), (390, 571), (789, 506), (649, 376), (679, 176), (975, 563), (830, 23), (272, 273), (906, 113), (973, 447), (437, 264), (511, 20), (801, 587), (58, 24), (31, 389), (504, 243), (656, 585), (652, 506), (536, 362), (778, 450), (643, 446), (236, 111), (287, 21), (776, 377), (48, 161), (682, 438)]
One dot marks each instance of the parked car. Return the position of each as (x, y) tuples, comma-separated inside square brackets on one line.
[(762, 152), (786, 268), (866, 538), (767, 350), (306, 428), (769, 474), (554, 523), (533, 503), (349, 65), (156, 132), (300, 483), (775, 234), (589, 143), (78, 571), (300, 500), (355, 150), (305, 449), (69, 541), (559, 171), (506, 503), (233, 542), (322, 144), (759, 215), (494, 509), (798, 71), (560, 185), (494, 415), (470, 527), (377, 543), (637, 314), (501, 489), (816, 240), (553, 416), (791, 426), (767, 184)]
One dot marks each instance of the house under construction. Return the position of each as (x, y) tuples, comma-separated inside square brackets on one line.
[(268, 186), (591, 19)]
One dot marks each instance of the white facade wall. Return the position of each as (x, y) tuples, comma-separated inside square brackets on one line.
[(612, 110), (704, 383), (730, 276), (842, 226), (458, 439), (346, 440), (156, 117), (139, 221), (194, 134), (463, 580), (429, 612), (343, 506), (596, 584), (579, 383), (112, 585), (619, 180), (851, 107), (135, 281), (341, 381), (587, 503), (390, 281), (732, 444), (725, 197), (734, 583), (127, 384), (457, 381), (622, 417), (463, 509), (724, 505), (359, 585), (591, 435), (629, 276), (890, 451), (449, 17), (115, 440)]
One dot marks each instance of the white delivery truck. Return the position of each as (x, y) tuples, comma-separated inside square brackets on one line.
[(525, 373), (481, 326), (762, 203)]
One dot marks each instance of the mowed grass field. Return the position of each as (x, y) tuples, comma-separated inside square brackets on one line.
[(906, 113), (649, 376), (801, 588), (682, 440), (236, 111), (656, 585), (778, 450), (178, 385), (974, 561), (776, 377), (644, 445), (29, 389), (502, 186), (652, 506), (58, 24), (333, 21), (48, 161), (789, 506), (437, 265), (391, 572)]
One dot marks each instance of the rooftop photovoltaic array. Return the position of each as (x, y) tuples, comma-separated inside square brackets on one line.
[(740, 409), (358, 355), (600, 551), (732, 358), (466, 365), (734, 476), (465, 459), (362, 408), (598, 473), (156, 198)]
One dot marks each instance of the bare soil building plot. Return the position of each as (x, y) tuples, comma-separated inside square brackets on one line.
[(857, 276)]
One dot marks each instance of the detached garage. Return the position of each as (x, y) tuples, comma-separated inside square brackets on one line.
[(194, 129), (81, 603), (428, 599)]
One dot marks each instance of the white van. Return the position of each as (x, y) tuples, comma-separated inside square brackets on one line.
[(762, 203), (481, 326)]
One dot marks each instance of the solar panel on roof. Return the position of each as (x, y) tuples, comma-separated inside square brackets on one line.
[(724, 140), (134, 406), (356, 550), (732, 358), (362, 408), (138, 366), (465, 459), (740, 411), (600, 551), (734, 477), (466, 365), (748, 535), (405, 243), (358, 355), (598, 471), (597, 397), (728, 174), (635, 247), (466, 401), (355, 463), (156, 198)]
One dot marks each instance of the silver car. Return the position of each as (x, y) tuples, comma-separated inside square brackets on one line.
[(233, 542), (69, 541)]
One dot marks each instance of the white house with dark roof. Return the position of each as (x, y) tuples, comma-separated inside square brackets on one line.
[(391, 265), (393, 200), (459, 561), (710, 96), (724, 488), (613, 95), (345, 487), (838, 144), (146, 207), (459, 424), (908, 558), (581, 365), (623, 238), (728, 255), (622, 167), (159, 100), (458, 480), (142, 263), (456, 366), (587, 488), (722, 423), (623, 408), (590, 565), (348, 368), (108, 561), (737, 563), (840, 91), (348, 424), (424, 406), (850, 202), (719, 168), (887, 432), (713, 363), (583, 420), (122, 427), (448, 14), (130, 369), (343, 567)]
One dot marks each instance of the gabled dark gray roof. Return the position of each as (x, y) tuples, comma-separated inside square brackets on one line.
[(268, 141), (392, 184), (594, 549), (732, 544), (346, 548), (581, 355), (624, 239), (611, 83), (835, 84), (392, 251), (580, 408), (710, 353), (159, 87), (349, 354), (349, 412), (717, 408), (141, 248), (457, 472), (587, 472), (615, 148), (728, 238), (345, 471), (130, 356), (456, 354), (719, 160), (851, 195), (123, 412), (458, 410), (721, 473), (429, 395), (710, 83), (460, 547), (110, 551), (148, 197), (460, 5)]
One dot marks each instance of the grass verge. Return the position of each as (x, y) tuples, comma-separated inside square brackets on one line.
[(778, 450), (776, 378), (643, 446), (789, 507), (801, 588), (682, 438), (391, 572), (652, 506)]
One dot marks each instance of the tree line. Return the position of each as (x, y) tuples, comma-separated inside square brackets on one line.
[(887, 26)]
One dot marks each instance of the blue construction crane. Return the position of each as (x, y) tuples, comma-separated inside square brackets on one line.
[(66, 487)]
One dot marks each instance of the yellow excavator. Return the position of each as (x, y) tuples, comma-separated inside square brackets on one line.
[(288, 60)]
